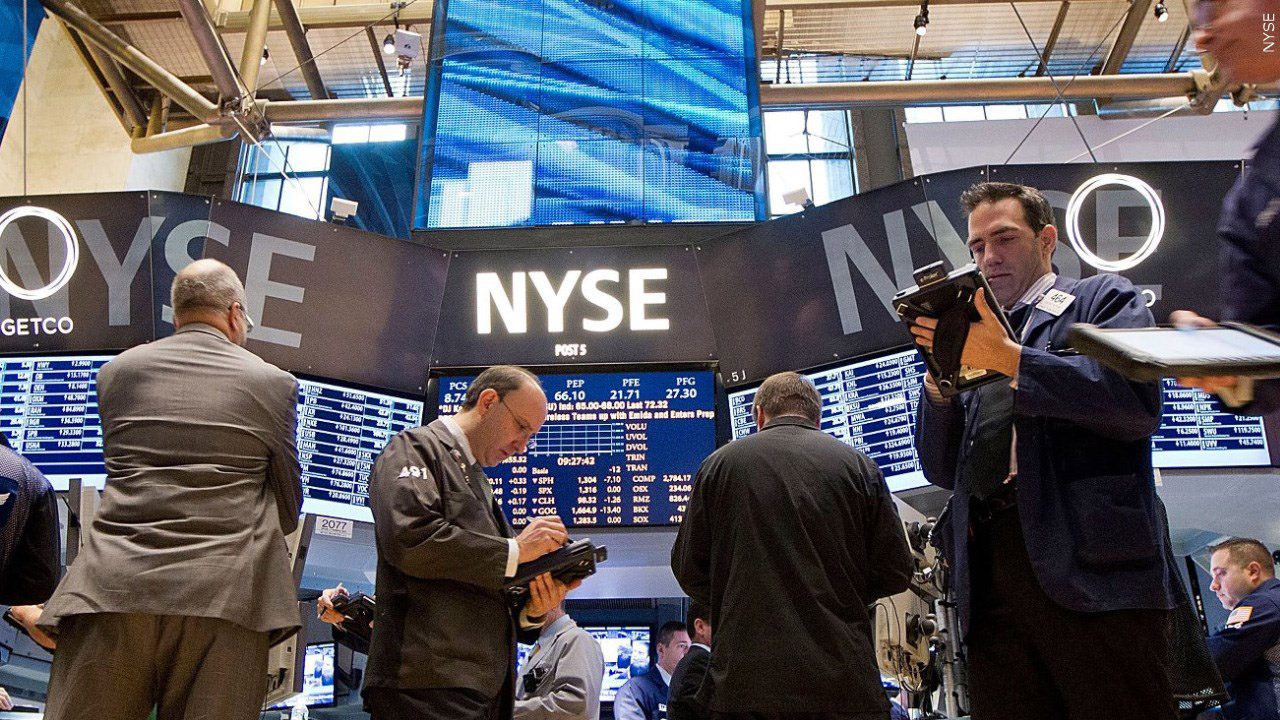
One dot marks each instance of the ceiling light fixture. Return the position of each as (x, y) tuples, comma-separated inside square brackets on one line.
[(1162, 12), (389, 45), (266, 55), (921, 23)]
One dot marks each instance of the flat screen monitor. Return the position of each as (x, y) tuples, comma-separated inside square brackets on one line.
[(617, 449), (871, 405), (49, 413), (341, 430), (317, 678), (1195, 432), (626, 655)]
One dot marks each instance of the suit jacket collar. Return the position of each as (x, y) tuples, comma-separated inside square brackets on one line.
[(203, 328), (795, 420), (1040, 317)]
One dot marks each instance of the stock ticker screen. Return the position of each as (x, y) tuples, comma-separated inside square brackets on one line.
[(871, 405), (617, 449), (341, 430), (49, 412)]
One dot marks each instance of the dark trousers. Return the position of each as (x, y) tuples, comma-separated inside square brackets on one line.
[(430, 704), (1031, 658), (116, 666)]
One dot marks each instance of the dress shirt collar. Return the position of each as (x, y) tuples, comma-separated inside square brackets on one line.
[(552, 629), (456, 431), (1038, 288), (666, 676), (704, 647)]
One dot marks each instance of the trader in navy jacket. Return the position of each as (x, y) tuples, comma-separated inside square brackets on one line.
[(1247, 649), (1054, 541)]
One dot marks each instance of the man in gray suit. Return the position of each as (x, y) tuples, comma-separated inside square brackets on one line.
[(184, 576), (444, 636), (560, 680)]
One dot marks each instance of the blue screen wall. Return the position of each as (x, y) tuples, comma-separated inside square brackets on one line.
[(16, 39), (541, 112)]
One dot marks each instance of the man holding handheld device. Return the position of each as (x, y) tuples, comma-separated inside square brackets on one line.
[(1055, 542), (1249, 255), (444, 635)]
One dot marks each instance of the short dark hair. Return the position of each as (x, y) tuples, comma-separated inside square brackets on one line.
[(501, 378), (1035, 208), (698, 611), (789, 393), (1243, 551), (669, 630)]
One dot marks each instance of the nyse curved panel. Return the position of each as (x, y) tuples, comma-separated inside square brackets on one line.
[(106, 303), (811, 288), (334, 301)]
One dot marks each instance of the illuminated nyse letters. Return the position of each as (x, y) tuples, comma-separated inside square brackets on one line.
[(513, 308)]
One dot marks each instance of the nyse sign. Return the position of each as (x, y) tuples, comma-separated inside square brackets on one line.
[(598, 288), (120, 270), (847, 251), (554, 306)]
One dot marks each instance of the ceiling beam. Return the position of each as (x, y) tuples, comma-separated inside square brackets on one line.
[(133, 59), (833, 94), (297, 35), (1138, 11), (1052, 42), (377, 56), (211, 48)]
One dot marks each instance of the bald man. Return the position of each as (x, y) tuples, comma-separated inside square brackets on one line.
[(184, 577)]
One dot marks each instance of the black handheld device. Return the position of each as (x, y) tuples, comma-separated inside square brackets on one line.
[(574, 561), (949, 298), (358, 611)]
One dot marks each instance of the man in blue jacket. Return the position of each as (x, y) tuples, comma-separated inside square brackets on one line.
[(1231, 32), (1055, 543), (1247, 650)]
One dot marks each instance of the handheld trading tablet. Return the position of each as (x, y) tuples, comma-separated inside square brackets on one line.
[(572, 562), (1231, 349), (949, 297)]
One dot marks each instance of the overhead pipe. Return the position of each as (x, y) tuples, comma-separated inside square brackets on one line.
[(186, 137), (119, 86), (835, 94), (133, 58), (301, 49), (255, 40), (211, 48), (417, 12), (1032, 89)]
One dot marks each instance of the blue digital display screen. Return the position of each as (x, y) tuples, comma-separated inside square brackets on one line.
[(871, 405), (617, 449), (580, 111), (49, 412)]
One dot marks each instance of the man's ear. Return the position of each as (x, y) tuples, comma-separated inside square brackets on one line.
[(1049, 239)]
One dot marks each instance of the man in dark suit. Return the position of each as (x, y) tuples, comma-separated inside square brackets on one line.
[(686, 681), (1055, 542), (185, 575), (30, 544), (788, 537), (444, 638)]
